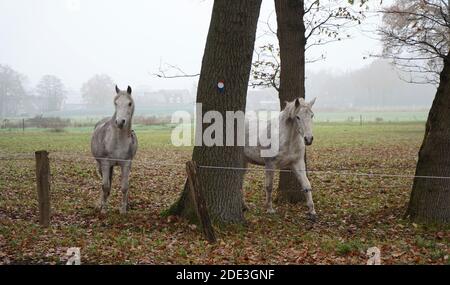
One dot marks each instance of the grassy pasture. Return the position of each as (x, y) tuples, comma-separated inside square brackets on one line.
[(355, 212)]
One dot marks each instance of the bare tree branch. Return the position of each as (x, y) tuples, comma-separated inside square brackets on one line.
[(162, 73), (324, 23), (416, 37)]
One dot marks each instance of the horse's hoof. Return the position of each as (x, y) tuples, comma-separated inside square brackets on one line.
[(271, 211), (244, 208), (312, 217), (123, 209)]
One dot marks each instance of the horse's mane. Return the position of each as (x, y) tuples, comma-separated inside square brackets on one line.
[(290, 109)]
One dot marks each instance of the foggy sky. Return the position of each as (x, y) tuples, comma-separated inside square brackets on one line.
[(129, 39)]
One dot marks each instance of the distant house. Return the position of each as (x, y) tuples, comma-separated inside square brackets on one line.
[(74, 106), (263, 99), (163, 97)]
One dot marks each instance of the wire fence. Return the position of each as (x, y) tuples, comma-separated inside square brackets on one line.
[(334, 172)]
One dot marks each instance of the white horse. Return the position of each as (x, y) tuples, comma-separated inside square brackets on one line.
[(114, 143), (294, 133)]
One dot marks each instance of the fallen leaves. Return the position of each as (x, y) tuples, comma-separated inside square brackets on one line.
[(355, 213)]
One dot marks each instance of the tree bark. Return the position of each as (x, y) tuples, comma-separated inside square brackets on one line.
[(292, 41), (430, 198), (228, 57)]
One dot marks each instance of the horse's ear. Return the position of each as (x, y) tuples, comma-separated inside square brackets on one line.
[(117, 90), (297, 103), (129, 90), (312, 102)]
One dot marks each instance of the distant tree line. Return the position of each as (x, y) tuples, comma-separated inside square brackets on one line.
[(12, 91), (48, 95), (16, 99), (378, 85)]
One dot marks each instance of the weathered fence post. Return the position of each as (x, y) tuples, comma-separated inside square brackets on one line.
[(43, 186), (23, 125), (199, 201)]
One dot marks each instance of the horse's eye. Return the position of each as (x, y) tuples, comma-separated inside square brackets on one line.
[(298, 118), (129, 104)]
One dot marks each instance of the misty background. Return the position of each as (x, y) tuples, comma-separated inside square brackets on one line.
[(63, 58)]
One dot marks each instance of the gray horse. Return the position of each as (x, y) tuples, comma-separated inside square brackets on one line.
[(114, 143), (294, 131)]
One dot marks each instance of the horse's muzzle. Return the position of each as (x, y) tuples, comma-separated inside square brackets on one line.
[(309, 140), (120, 123)]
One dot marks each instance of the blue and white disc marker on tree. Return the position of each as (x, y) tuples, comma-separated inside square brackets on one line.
[(221, 86)]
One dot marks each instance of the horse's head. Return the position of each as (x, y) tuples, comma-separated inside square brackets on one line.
[(124, 104), (301, 114)]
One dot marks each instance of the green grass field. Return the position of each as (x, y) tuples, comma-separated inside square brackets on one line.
[(355, 212)]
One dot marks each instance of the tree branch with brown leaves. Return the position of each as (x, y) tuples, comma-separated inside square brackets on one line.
[(416, 37)]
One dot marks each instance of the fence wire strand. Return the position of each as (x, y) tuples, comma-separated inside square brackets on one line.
[(337, 172)]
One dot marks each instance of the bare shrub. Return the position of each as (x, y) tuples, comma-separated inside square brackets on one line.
[(47, 122), (151, 120)]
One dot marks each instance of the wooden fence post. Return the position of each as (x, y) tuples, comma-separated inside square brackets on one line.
[(43, 186), (199, 202)]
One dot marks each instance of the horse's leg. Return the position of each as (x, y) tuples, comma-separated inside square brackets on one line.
[(300, 172), (126, 167), (99, 169), (106, 169), (269, 171)]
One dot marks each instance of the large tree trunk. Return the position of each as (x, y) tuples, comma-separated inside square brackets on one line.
[(430, 198), (291, 38), (228, 57)]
